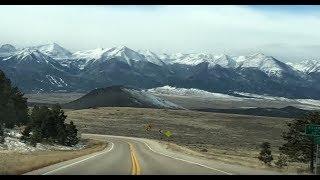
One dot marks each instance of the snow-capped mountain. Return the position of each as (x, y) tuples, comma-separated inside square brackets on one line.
[(307, 66), (28, 55), (54, 51), (197, 58), (7, 50), (35, 71), (89, 54), (52, 67), (267, 64), (123, 54), (81, 59), (152, 57)]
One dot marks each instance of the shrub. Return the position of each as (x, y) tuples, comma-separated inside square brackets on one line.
[(265, 155)]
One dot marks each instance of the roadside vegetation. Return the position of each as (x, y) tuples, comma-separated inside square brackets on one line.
[(298, 147), (42, 125), (13, 163)]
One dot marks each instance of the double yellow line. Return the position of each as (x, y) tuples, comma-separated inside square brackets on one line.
[(136, 170)]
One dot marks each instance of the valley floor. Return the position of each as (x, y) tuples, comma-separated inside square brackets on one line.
[(225, 137)]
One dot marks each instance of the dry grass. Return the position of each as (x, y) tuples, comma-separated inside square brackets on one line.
[(19, 163), (191, 128), (229, 138), (243, 158)]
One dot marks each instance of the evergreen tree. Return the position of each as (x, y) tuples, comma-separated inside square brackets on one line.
[(72, 134), (62, 134), (13, 106), (35, 137), (48, 125), (1, 133), (298, 146), (265, 154)]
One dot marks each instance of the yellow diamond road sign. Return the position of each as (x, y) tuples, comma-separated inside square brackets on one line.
[(168, 133)]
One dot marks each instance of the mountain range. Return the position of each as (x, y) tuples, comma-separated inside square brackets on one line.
[(51, 68)]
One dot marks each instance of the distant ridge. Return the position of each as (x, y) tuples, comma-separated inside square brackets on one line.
[(285, 112), (52, 68), (119, 96)]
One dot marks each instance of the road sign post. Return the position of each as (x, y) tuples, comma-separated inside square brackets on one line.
[(315, 172)]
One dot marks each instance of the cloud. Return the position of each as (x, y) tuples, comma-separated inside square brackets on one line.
[(216, 29)]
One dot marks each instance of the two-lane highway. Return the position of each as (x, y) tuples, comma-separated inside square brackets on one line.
[(125, 156), (139, 156)]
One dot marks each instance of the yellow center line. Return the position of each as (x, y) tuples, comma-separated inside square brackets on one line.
[(136, 170)]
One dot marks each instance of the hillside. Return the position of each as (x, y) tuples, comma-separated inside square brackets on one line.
[(119, 96)]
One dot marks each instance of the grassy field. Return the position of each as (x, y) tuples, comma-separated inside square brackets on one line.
[(52, 98), (192, 128), (226, 137), (229, 138), (13, 163)]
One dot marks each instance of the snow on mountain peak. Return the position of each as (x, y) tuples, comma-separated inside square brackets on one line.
[(222, 60), (307, 66), (7, 48), (55, 51), (29, 54), (152, 57), (124, 54), (89, 54), (267, 64)]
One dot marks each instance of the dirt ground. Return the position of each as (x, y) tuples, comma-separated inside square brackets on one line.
[(13, 163)]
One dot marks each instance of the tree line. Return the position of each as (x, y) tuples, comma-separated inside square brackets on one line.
[(43, 124), (298, 146)]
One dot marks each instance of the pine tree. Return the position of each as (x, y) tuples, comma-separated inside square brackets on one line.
[(62, 134), (72, 134), (265, 154), (299, 147), (13, 106), (35, 137), (1, 133), (48, 125)]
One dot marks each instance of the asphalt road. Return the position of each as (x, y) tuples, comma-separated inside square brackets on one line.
[(133, 156)]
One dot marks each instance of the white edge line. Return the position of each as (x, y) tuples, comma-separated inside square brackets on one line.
[(186, 160), (141, 140), (80, 161)]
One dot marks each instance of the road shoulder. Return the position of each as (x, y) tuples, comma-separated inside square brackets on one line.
[(69, 157)]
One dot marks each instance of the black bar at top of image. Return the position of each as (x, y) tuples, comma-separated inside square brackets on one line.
[(160, 2)]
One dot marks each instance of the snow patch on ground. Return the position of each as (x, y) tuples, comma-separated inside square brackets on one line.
[(12, 142), (145, 96), (56, 81), (310, 104), (168, 90)]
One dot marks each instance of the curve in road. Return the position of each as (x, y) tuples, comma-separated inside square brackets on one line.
[(127, 156)]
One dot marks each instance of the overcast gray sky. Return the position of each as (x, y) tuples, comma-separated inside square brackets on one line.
[(290, 33)]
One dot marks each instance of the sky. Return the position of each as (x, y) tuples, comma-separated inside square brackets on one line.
[(289, 33)]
